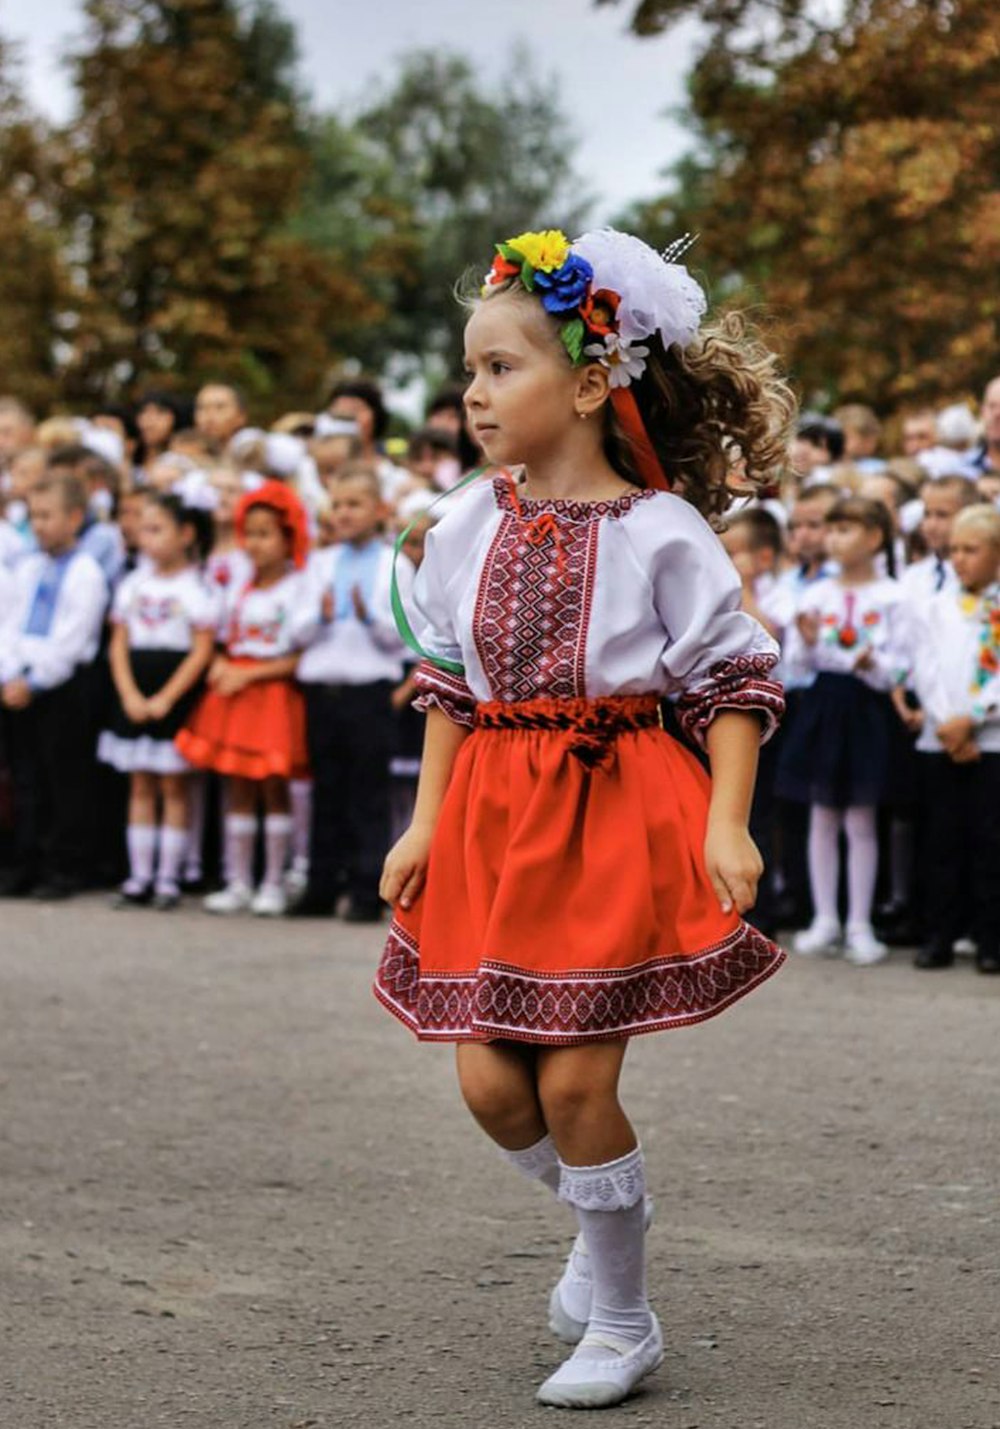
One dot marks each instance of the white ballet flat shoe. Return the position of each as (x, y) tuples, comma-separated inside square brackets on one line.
[(561, 1322), (596, 1381)]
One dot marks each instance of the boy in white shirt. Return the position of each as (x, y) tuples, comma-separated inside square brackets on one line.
[(49, 637)]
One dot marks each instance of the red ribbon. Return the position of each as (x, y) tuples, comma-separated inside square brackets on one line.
[(626, 409), (539, 528)]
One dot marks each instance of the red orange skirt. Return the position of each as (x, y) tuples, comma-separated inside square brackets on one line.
[(566, 898), (258, 734)]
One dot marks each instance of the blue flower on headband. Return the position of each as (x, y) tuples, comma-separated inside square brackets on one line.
[(566, 287)]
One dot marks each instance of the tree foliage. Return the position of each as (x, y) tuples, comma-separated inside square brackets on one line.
[(33, 278), (850, 178), (434, 170)]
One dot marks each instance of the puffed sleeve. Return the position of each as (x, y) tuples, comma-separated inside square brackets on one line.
[(122, 598), (433, 624), (717, 656), (205, 606)]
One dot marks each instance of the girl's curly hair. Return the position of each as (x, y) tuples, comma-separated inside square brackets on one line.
[(718, 412)]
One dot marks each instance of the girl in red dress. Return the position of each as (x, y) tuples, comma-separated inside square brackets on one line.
[(572, 877), (250, 725)]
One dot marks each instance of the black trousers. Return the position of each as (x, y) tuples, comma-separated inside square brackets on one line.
[(350, 734), (960, 854), (51, 746)]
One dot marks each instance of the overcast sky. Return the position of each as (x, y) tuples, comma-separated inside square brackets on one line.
[(615, 87)]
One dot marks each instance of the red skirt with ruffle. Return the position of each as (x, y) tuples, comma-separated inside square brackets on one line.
[(567, 899), (259, 733)]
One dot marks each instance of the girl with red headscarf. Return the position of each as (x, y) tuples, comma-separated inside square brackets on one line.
[(250, 724)]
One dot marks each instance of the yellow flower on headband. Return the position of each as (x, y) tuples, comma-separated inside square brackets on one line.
[(544, 251)]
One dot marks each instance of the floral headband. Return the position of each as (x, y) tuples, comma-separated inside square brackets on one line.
[(621, 292)]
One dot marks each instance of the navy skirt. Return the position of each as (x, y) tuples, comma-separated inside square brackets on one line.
[(840, 750)]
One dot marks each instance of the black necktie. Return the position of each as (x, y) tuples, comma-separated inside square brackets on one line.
[(939, 573)]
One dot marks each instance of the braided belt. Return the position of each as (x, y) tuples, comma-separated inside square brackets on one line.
[(589, 727)]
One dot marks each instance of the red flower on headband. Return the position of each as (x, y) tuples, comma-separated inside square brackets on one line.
[(280, 499), (501, 269), (598, 311)]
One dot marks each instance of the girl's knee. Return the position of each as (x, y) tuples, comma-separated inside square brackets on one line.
[(496, 1093)]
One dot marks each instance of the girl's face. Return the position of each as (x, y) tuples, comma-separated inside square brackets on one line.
[(520, 397), (975, 559), (852, 545), (264, 540), (155, 424), (940, 510), (228, 489), (161, 538)]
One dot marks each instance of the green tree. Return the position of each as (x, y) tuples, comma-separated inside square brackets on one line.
[(33, 279), (850, 178), (433, 171), (181, 169)]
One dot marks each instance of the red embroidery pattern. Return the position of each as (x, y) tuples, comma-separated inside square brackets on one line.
[(534, 600), (502, 1001), (444, 691), (739, 683)]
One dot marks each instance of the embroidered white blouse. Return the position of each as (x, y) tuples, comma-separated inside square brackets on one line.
[(264, 624), (162, 612), (570, 599), (956, 665), (874, 617)]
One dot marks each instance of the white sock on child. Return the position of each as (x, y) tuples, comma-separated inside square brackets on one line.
[(862, 864), (241, 831), (140, 839), (173, 847), (277, 837), (824, 861), (539, 1162), (610, 1207)]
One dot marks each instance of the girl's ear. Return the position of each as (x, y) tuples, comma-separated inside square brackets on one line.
[(593, 389)]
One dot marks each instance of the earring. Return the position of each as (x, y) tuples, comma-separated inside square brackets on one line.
[(583, 416)]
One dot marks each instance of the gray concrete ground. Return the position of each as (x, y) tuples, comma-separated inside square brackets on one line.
[(234, 1193)]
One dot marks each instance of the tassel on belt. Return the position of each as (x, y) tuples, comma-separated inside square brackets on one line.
[(589, 727)]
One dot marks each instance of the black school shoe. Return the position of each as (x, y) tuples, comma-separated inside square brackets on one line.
[(934, 955), (312, 905), (16, 883), (988, 960), (361, 911)]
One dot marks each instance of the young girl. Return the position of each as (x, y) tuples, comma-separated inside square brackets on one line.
[(163, 634), (840, 750), (571, 877), (250, 724)]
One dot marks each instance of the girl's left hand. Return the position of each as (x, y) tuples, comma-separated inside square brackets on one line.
[(157, 707), (734, 865), (231, 680)]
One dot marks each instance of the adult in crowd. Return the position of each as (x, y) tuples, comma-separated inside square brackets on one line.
[(986, 457), (220, 411)]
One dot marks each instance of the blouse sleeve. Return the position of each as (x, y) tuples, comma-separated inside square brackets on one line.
[(433, 624), (718, 657)]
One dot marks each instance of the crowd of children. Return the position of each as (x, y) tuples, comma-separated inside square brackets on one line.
[(199, 658)]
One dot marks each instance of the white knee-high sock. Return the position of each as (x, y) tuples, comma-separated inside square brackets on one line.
[(862, 864), (610, 1206), (300, 794), (140, 840), (277, 836), (539, 1162), (241, 830), (824, 860), (173, 847)]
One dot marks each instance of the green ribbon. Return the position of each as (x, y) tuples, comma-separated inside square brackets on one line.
[(399, 614)]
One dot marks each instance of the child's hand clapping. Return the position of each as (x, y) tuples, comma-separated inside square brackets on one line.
[(358, 601), (16, 694)]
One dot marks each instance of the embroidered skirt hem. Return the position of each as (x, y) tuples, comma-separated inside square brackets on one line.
[(498, 1002)]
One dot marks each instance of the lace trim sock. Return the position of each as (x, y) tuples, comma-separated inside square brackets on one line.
[(173, 847), (300, 796), (539, 1162), (610, 1202), (277, 837), (140, 839), (241, 830)]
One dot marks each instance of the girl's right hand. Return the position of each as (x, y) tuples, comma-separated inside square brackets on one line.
[(136, 709), (216, 669), (405, 867)]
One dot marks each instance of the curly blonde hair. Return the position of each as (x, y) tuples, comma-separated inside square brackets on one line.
[(717, 412)]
